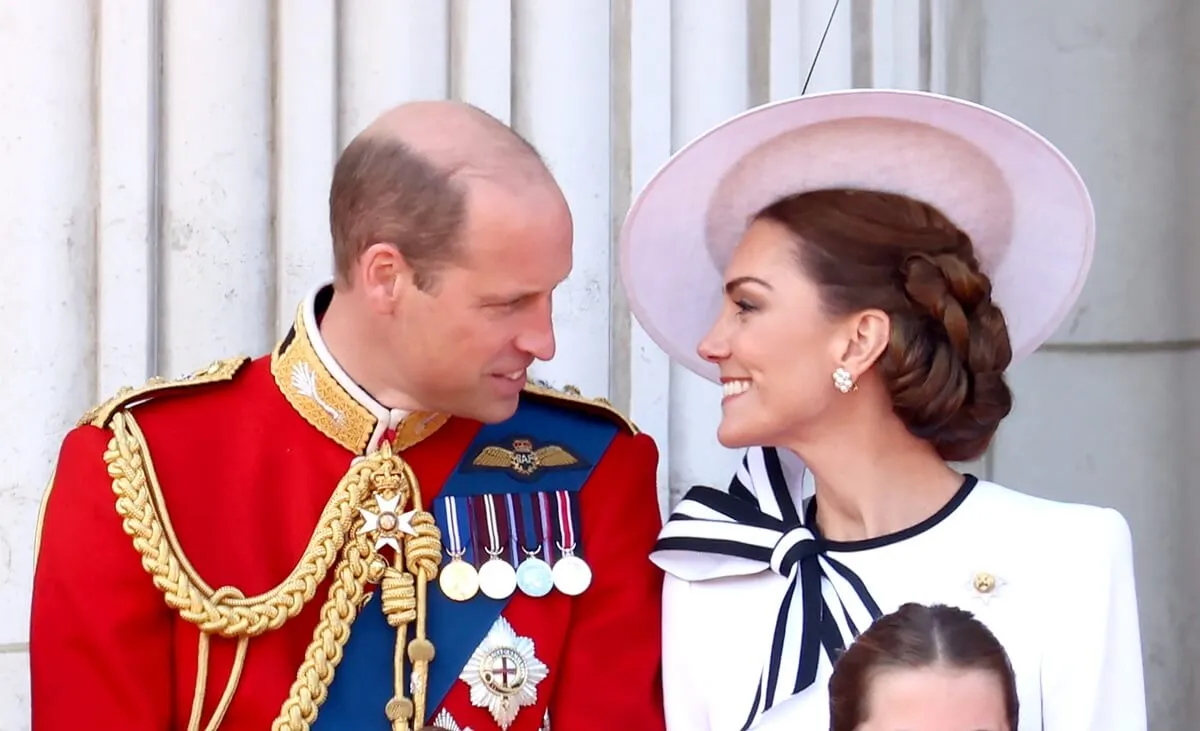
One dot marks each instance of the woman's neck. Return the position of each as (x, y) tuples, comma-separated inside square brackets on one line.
[(876, 481)]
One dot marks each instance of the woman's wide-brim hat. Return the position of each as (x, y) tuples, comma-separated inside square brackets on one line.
[(1017, 196)]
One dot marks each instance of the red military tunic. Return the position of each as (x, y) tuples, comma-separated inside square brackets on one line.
[(214, 492)]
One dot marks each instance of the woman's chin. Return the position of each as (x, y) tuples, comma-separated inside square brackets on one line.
[(732, 435)]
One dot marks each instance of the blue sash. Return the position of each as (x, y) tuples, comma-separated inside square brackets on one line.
[(363, 682)]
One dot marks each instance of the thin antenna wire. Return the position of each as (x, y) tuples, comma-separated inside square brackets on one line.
[(820, 45)]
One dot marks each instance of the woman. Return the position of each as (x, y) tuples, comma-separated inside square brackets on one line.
[(858, 269), (924, 669)]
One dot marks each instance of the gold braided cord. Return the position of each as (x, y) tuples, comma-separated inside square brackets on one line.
[(354, 562), (423, 554), (144, 518), (311, 686)]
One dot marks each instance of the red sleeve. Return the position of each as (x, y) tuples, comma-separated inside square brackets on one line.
[(100, 633), (611, 665)]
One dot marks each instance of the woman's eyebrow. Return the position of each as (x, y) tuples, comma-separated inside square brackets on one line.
[(733, 284)]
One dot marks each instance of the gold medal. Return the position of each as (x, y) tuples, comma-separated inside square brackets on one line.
[(458, 580)]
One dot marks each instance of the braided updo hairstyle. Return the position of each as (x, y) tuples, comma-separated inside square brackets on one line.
[(944, 365)]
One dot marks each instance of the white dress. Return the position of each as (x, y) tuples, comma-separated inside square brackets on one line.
[(1054, 582)]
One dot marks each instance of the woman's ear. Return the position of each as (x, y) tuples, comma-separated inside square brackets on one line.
[(864, 340)]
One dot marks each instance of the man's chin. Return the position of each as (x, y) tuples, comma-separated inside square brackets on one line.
[(494, 410)]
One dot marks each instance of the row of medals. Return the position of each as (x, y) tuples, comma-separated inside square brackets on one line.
[(497, 579)]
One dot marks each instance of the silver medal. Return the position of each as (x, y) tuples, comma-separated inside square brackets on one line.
[(534, 577), (572, 575), (497, 578)]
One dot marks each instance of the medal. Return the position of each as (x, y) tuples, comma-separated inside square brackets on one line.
[(497, 578), (533, 575), (457, 579), (572, 576)]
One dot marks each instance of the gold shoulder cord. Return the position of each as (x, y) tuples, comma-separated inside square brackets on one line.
[(342, 541), (572, 395)]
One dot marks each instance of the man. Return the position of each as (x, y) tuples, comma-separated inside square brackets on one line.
[(381, 524)]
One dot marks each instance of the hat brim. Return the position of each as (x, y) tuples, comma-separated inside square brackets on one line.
[(1024, 205)]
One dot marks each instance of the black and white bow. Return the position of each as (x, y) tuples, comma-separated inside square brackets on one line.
[(756, 526)]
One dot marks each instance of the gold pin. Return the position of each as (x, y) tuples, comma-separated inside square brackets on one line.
[(984, 582)]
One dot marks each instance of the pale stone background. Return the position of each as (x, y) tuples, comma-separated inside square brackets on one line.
[(163, 173)]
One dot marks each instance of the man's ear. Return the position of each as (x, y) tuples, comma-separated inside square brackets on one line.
[(384, 276)]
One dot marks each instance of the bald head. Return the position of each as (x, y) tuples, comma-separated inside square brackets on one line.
[(458, 138), (407, 177)]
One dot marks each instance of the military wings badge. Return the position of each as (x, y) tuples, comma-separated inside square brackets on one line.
[(524, 460)]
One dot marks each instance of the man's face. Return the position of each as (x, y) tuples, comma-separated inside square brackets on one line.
[(466, 342)]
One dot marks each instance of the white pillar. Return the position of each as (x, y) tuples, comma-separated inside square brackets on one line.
[(481, 50), (559, 45), (710, 63), (1105, 414), (127, 225), (305, 149), (650, 145), (47, 260), (217, 258), (392, 52)]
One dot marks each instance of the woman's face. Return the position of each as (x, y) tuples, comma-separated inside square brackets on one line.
[(935, 699), (776, 348)]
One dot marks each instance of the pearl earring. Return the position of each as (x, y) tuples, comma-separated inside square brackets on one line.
[(843, 381)]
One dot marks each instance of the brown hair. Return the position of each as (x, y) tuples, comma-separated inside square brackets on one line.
[(944, 366), (916, 637), (383, 191)]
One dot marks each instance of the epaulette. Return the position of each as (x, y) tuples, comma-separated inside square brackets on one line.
[(570, 395), (218, 371)]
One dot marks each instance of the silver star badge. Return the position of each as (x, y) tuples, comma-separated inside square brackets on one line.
[(446, 721), (503, 673), (386, 524)]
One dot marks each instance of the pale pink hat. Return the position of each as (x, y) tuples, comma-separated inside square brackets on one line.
[(1020, 200)]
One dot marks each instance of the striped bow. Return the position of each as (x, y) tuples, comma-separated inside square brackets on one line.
[(756, 526)]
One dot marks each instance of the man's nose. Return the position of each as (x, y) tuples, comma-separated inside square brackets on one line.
[(538, 337)]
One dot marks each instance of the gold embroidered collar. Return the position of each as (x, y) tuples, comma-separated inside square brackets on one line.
[(317, 387)]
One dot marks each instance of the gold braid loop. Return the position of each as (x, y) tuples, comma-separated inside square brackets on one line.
[(423, 552), (324, 653), (399, 597), (144, 518)]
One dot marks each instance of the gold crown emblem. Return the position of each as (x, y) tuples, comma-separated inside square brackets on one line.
[(389, 475)]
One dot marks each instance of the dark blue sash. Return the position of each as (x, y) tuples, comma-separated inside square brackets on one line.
[(362, 683)]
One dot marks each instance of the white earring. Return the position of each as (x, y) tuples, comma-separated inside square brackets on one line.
[(843, 381)]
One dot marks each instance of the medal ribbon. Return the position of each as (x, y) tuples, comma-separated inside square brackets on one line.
[(567, 521), (473, 526), (544, 503), (493, 525), (452, 528), (513, 516), (529, 526)]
